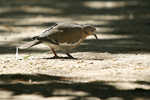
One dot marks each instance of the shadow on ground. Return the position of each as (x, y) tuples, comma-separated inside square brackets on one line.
[(48, 85)]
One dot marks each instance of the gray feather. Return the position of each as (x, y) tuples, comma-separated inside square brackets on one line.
[(29, 44)]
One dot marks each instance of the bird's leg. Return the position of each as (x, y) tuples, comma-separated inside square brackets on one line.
[(55, 55), (70, 56)]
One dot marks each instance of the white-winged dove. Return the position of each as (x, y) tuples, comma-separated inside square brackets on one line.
[(63, 36)]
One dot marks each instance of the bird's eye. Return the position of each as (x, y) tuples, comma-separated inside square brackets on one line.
[(92, 30)]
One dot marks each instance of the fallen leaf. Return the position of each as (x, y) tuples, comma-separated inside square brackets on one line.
[(27, 57)]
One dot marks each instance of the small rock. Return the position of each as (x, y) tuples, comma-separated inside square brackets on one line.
[(30, 80), (90, 62)]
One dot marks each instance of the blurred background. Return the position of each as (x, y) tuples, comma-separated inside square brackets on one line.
[(123, 25)]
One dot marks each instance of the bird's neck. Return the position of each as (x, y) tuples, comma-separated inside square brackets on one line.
[(84, 35)]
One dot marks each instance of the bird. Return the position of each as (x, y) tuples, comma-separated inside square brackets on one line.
[(62, 36)]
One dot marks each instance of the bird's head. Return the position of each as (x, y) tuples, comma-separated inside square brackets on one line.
[(90, 30)]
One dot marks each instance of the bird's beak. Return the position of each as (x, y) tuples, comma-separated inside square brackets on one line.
[(96, 36)]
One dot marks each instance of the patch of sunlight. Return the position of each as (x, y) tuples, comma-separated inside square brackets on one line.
[(93, 22), (70, 92), (7, 20), (5, 95), (100, 17), (36, 9), (108, 4), (40, 19), (12, 30), (37, 96), (129, 85), (115, 98), (34, 20), (109, 36)]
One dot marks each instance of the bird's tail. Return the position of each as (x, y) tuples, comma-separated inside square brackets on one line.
[(29, 44)]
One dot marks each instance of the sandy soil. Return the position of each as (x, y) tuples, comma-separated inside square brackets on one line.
[(115, 67)]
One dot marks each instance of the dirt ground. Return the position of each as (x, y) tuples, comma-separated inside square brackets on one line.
[(115, 67)]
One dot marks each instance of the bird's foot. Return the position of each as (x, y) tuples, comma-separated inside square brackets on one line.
[(69, 56), (54, 57)]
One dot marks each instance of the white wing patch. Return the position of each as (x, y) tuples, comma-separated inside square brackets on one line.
[(70, 44)]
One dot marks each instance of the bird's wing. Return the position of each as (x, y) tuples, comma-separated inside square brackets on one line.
[(68, 33), (49, 31)]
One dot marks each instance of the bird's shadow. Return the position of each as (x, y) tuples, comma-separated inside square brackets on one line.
[(60, 58), (70, 58)]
